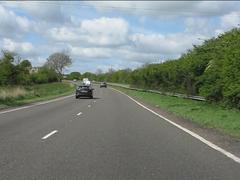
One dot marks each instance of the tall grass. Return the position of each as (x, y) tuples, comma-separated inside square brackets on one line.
[(18, 95), (12, 92)]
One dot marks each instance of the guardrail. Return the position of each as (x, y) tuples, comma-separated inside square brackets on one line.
[(197, 98)]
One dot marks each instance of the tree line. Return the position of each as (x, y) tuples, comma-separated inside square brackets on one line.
[(211, 70), (17, 71)]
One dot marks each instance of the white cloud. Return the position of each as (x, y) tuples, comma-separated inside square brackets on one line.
[(197, 25), (94, 38), (64, 34), (230, 20), (106, 31), (95, 32), (19, 47), (110, 37), (167, 8), (130, 55), (13, 25), (43, 11), (96, 53), (163, 44)]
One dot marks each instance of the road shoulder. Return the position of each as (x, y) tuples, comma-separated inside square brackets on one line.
[(33, 104), (224, 141)]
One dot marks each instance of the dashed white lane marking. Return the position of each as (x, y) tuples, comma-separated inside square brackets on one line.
[(200, 138), (49, 134), (79, 114), (94, 101), (37, 104), (89, 105)]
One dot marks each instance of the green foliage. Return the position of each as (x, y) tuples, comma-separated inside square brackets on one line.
[(89, 75), (121, 76), (7, 69), (23, 73), (44, 75), (18, 72), (211, 70), (74, 75), (19, 95), (221, 79)]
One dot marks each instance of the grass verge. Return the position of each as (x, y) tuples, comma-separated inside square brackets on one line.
[(19, 95), (202, 113)]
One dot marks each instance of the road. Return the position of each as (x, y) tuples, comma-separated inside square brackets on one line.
[(106, 138)]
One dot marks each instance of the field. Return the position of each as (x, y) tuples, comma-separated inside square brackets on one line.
[(19, 95), (202, 113)]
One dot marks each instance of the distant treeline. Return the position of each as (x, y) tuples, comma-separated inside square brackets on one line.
[(211, 70)]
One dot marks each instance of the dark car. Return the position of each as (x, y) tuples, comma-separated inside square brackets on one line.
[(103, 84), (84, 91)]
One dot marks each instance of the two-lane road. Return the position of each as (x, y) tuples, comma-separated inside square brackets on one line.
[(109, 137)]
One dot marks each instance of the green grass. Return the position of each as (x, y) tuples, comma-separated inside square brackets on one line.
[(15, 96), (202, 113)]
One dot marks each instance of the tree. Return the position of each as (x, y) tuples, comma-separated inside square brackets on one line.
[(89, 75), (59, 61), (7, 69), (74, 75), (44, 75), (23, 72)]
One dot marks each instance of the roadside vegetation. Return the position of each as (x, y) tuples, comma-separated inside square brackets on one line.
[(203, 113), (20, 95), (20, 83), (211, 70), (79, 76)]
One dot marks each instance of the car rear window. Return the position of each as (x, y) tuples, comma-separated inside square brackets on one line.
[(83, 87)]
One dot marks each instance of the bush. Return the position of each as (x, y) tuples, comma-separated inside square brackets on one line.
[(74, 75), (211, 70), (44, 75)]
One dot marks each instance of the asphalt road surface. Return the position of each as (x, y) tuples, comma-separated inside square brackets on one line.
[(106, 138)]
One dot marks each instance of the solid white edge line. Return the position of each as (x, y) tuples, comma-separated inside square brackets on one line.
[(36, 104), (210, 144), (49, 134), (79, 114)]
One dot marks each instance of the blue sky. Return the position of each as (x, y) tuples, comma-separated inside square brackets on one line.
[(103, 34)]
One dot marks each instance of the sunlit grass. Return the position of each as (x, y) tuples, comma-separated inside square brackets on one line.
[(12, 92), (18, 95), (203, 113)]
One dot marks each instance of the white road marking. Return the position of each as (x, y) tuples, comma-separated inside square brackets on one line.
[(89, 105), (79, 114), (49, 134), (36, 104), (200, 138), (94, 101)]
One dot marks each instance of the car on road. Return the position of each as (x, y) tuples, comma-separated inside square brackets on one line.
[(103, 84), (84, 91), (86, 81)]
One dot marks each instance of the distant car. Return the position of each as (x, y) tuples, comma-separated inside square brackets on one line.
[(84, 91), (87, 83), (74, 80), (103, 84)]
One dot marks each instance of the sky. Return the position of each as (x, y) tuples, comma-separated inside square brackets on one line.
[(112, 34)]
